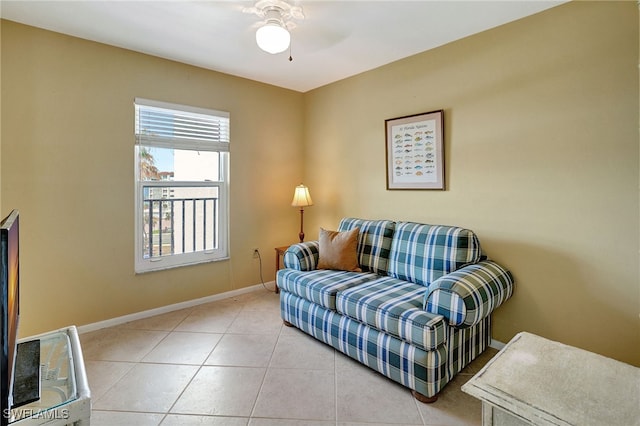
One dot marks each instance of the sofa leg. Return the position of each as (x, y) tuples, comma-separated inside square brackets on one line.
[(287, 323), (423, 398)]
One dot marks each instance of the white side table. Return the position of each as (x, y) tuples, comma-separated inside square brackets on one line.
[(65, 396), (535, 381)]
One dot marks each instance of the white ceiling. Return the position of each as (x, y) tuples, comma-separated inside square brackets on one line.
[(337, 39)]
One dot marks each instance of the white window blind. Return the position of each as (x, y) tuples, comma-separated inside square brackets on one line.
[(165, 125)]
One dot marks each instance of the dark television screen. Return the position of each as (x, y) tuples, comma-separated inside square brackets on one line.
[(9, 307)]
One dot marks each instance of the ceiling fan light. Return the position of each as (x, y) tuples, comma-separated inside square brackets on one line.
[(273, 38)]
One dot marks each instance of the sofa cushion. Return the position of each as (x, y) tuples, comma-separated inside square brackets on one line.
[(374, 242), (338, 250), (423, 253), (395, 307), (320, 286)]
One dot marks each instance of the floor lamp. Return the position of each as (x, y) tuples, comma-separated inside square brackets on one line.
[(302, 199)]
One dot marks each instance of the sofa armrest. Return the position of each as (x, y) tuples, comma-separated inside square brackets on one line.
[(302, 256), (467, 296)]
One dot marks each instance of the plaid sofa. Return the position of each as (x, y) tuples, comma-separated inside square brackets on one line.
[(419, 311)]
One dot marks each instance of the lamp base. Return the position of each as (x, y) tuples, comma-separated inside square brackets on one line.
[(301, 234)]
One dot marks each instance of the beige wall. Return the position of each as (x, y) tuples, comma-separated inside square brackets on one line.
[(541, 141), (541, 122), (67, 164)]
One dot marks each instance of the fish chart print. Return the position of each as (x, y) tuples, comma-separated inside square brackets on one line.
[(415, 158)]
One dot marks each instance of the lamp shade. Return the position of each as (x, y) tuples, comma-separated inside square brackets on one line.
[(273, 38), (301, 197)]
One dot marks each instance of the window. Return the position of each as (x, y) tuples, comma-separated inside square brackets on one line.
[(182, 185)]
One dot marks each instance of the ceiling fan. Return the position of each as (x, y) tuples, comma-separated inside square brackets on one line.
[(273, 34)]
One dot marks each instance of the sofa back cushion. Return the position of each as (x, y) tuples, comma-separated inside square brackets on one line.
[(423, 253), (374, 242)]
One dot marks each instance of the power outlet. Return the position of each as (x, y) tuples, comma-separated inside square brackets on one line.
[(256, 253)]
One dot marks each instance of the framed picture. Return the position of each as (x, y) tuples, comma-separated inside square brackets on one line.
[(415, 151)]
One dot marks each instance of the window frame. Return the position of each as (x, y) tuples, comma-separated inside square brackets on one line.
[(143, 264)]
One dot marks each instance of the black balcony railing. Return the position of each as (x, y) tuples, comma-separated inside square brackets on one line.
[(179, 225)]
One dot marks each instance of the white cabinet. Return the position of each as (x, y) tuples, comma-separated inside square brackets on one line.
[(65, 396), (535, 381)]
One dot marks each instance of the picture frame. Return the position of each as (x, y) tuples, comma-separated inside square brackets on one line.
[(415, 151)]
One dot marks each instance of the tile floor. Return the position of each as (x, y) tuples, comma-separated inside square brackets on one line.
[(232, 362)]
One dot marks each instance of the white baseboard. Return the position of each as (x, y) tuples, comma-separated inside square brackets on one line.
[(169, 308), (495, 344)]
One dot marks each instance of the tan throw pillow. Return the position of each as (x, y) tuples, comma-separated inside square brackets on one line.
[(338, 250)]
